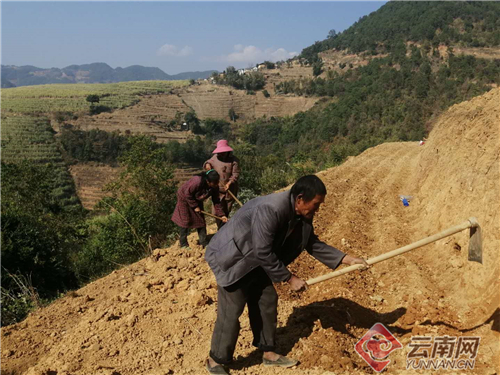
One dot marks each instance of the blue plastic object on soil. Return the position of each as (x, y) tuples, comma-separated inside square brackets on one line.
[(405, 202)]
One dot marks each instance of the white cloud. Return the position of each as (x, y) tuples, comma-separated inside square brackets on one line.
[(252, 55), (171, 50)]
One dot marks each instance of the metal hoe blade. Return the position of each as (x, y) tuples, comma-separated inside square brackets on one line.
[(475, 242)]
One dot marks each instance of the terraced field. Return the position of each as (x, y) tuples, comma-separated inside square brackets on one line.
[(207, 100), (72, 98), (32, 138)]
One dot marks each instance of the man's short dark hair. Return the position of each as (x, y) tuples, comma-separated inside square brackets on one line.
[(309, 187)]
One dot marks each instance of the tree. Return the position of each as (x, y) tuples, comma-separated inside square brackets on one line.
[(137, 213), (92, 99), (332, 34), (317, 67), (191, 120), (232, 115), (231, 70), (38, 238), (254, 81), (269, 64)]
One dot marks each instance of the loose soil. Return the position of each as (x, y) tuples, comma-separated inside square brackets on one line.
[(156, 316)]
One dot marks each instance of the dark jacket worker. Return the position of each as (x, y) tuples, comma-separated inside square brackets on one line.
[(251, 252)]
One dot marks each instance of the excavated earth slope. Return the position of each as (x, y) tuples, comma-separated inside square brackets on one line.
[(156, 316)]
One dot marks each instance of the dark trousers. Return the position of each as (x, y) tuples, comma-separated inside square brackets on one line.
[(202, 236), (256, 290), (227, 206)]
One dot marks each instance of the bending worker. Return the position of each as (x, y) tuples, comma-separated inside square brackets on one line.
[(250, 253), (227, 165), (190, 197)]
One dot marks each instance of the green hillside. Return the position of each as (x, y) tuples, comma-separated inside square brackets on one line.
[(45, 99), (468, 24), (395, 96), (31, 139)]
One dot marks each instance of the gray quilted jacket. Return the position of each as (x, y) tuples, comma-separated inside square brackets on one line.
[(255, 235)]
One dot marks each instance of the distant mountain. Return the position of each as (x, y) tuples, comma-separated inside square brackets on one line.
[(6, 84), (141, 73), (88, 73)]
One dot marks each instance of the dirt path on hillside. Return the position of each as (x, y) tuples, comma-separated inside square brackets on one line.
[(156, 316)]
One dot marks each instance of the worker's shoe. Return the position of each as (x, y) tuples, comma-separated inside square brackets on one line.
[(282, 361), (217, 369)]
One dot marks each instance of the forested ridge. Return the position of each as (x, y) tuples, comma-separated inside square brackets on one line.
[(464, 23)]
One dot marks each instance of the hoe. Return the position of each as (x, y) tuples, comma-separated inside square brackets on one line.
[(475, 249)]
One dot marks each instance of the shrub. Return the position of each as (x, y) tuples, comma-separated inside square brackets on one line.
[(232, 114), (137, 214), (269, 65), (92, 99), (38, 238)]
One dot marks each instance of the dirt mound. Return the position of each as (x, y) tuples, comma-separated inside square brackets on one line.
[(156, 316)]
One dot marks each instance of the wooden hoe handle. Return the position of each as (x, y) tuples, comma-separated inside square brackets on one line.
[(472, 222), (209, 214), (236, 199)]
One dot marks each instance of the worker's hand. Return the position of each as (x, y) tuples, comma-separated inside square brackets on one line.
[(297, 283), (224, 219), (197, 209), (226, 187), (361, 261), (208, 166)]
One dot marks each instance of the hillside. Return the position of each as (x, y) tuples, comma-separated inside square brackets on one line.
[(465, 24), (207, 100), (156, 316), (32, 139), (89, 73), (152, 111)]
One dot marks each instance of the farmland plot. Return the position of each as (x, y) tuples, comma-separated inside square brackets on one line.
[(32, 138), (72, 97)]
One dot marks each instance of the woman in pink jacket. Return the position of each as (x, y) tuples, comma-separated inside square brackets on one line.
[(227, 165)]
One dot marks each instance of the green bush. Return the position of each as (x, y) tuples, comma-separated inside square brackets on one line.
[(136, 216), (250, 81), (111, 243), (232, 114), (39, 237), (93, 145), (192, 120), (269, 64)]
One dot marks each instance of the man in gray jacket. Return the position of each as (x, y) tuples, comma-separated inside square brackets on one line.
[(250, 253)]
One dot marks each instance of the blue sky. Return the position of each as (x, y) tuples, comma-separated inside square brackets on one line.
[(173, 36)]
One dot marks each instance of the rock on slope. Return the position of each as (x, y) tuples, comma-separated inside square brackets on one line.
[(156, 316)]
